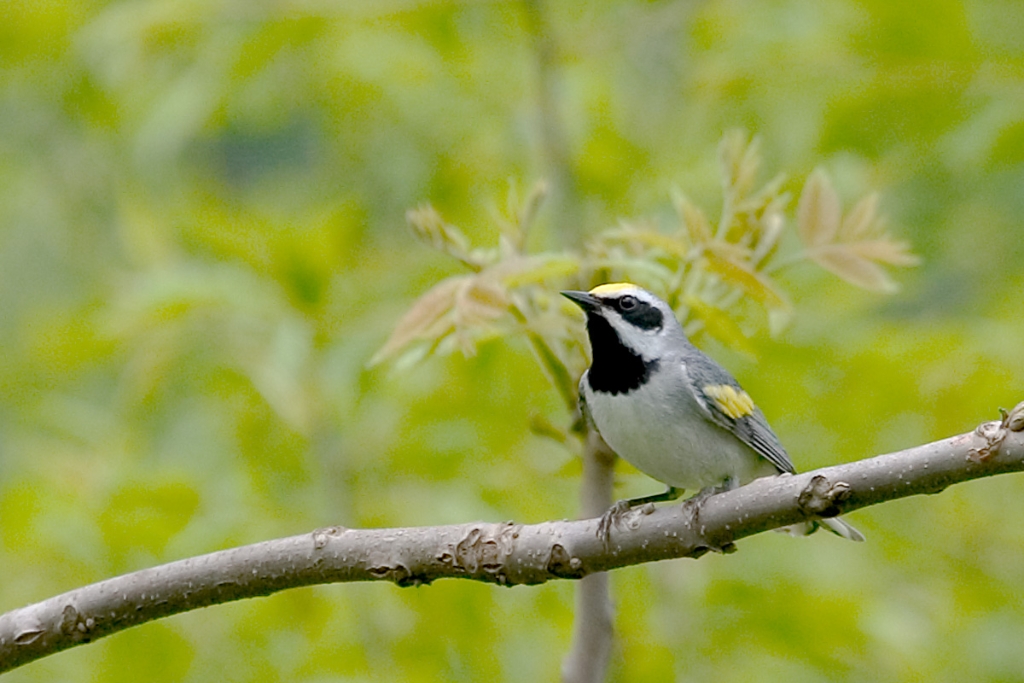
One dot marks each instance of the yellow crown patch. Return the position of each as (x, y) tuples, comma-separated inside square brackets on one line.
[(734, 402), (611, 288)]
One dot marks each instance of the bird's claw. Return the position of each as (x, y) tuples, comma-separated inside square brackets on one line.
[(614, 516), (611, 518)]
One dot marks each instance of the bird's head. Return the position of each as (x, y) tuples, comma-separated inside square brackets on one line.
[(628, 315)]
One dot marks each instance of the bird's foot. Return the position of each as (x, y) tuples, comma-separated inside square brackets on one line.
[(693, 505), (708, 491), (615, 515), (611, 518)]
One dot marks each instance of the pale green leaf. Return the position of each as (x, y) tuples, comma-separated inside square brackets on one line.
[(769, 193), (844, 261), (740, 161), (855, 249), (478, 301), (421, 320), (757, 285), (861, 220), (819, 211), (772, 224), (729, 250), (885, 250), (430, 227), (694, 221), (520, 215)]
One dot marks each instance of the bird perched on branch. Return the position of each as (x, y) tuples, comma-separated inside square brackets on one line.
[(669, 409)]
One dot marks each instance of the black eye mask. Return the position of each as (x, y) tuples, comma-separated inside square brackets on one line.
[(642, 314)]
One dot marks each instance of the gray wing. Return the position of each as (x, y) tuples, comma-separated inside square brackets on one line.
[(726, 404), (754, 431)]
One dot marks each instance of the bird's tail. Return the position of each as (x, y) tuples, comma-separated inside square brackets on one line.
[(837, 525)]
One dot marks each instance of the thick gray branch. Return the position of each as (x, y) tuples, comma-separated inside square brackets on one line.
[(506, 554)]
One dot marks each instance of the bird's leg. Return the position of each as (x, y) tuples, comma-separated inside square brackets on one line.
[(727, 484), (614, 514), (671, 493)]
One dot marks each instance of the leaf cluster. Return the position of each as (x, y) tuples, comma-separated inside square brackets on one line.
[(715, 274)]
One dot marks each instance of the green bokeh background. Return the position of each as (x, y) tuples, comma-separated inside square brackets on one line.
[(202, 243)]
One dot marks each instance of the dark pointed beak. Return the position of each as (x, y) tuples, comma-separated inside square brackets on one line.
[(584, 300)]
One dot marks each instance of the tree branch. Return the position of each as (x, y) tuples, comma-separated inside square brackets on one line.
[(505, 553)]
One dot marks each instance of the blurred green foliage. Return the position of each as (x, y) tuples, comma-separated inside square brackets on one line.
[(711, 275), (202, 244)]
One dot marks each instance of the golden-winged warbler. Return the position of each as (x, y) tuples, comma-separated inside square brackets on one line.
[(669, 409)]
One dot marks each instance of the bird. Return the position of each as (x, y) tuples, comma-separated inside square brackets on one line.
[(668, 408)]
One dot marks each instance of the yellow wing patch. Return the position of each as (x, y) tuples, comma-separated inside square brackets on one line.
[(612, 288), (734, 402)]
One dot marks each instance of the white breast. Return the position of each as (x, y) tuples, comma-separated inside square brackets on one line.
[(660, 430)]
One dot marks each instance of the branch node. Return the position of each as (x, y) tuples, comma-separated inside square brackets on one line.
[(1014, 420), (68, 620), (485, 548), (993, 434), (75, 625), (563, 565), (29, 633), (822, 498), (384, 570), (322, 535), (727, 548)]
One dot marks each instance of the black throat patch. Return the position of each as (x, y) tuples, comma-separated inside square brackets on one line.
[(616, 369)]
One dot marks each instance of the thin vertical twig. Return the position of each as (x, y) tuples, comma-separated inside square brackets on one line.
[(587, 661), (593, 631), (552, 144)]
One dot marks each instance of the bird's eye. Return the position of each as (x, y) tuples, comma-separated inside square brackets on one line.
[(627, 303)]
